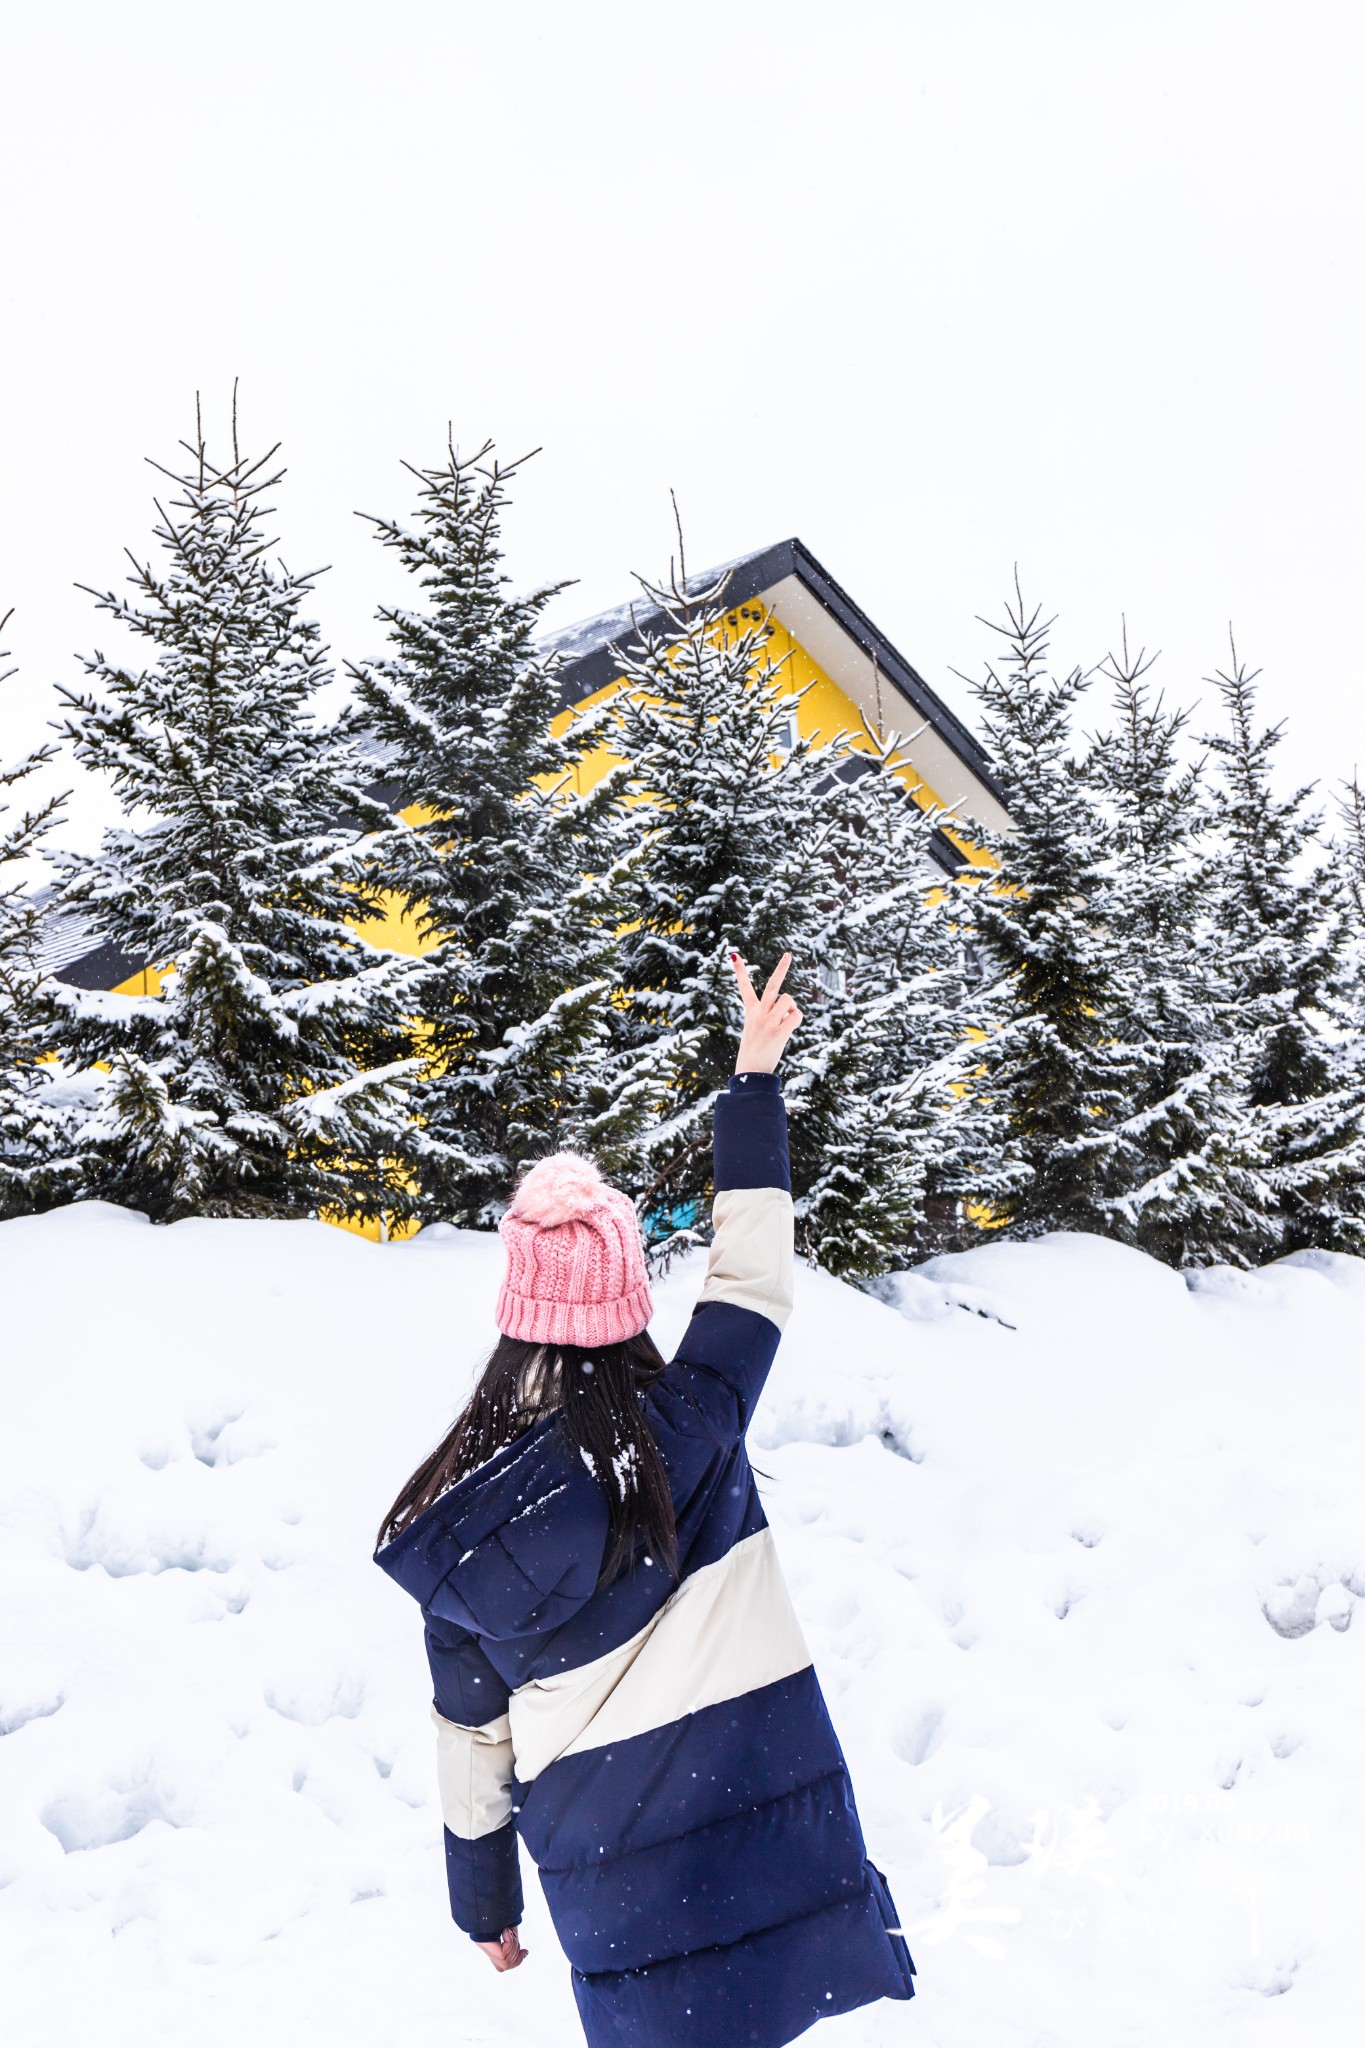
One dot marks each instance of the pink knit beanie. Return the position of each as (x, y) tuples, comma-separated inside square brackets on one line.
[(575, 1258)]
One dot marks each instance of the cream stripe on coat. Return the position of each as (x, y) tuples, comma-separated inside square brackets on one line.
[(474, 1774), (750, 1261), (728, 1629)]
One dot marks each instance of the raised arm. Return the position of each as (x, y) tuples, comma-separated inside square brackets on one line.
[(746, 1297), (750, 1260)]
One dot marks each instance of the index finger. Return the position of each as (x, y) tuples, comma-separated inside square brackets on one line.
[(746, 987), (775, 978)]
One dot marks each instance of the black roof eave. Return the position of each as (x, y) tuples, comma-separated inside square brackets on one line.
[(755, 573), (104, 967)]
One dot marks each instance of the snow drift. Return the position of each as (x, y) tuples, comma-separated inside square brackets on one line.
[(1077, 1547)]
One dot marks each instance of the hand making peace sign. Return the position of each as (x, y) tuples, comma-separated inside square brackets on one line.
[(769, 1019)]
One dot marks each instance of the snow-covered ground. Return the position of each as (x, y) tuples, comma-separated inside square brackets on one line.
[(1077, 1548)]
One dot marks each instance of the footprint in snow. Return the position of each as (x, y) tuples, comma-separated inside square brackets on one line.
[(146, 1550), (314, 1701), (1296, 1606), (1271, 1979), (16, 1714), (109, 1813), (215, 1441), (1001, 1842), (918, 1734)]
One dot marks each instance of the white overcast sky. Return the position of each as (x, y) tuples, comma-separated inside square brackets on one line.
[(934, 287)]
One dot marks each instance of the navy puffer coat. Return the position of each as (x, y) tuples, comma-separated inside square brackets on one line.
[(661, 1747)]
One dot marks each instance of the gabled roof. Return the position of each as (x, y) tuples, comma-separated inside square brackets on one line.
[(837, 634)]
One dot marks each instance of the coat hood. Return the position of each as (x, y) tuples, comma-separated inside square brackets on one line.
[(513, 1548)]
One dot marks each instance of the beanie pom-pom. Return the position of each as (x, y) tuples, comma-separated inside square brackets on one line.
[(559, 1189)]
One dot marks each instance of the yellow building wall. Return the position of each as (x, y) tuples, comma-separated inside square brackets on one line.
[(823, 711), (147, 982)]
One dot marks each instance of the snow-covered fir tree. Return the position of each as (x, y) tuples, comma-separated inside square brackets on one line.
[(39, 1159), (735, 859), (1344, 1228), (1279, 921), (266, 1076), (1349, 854), (1050, 1063), (887, 1138), (1184, 1184), (1347, 1231), (1351, 846), (514, 879)]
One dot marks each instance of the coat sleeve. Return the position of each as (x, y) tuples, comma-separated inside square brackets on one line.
[(474, 1770), (746, 1297)]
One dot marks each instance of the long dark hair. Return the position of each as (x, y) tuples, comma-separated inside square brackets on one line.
[(598, 1392)]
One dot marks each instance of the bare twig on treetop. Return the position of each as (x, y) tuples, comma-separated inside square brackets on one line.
[(1129, 670), (682, 552)]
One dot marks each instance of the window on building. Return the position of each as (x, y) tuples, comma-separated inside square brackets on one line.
[(788, 730)]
